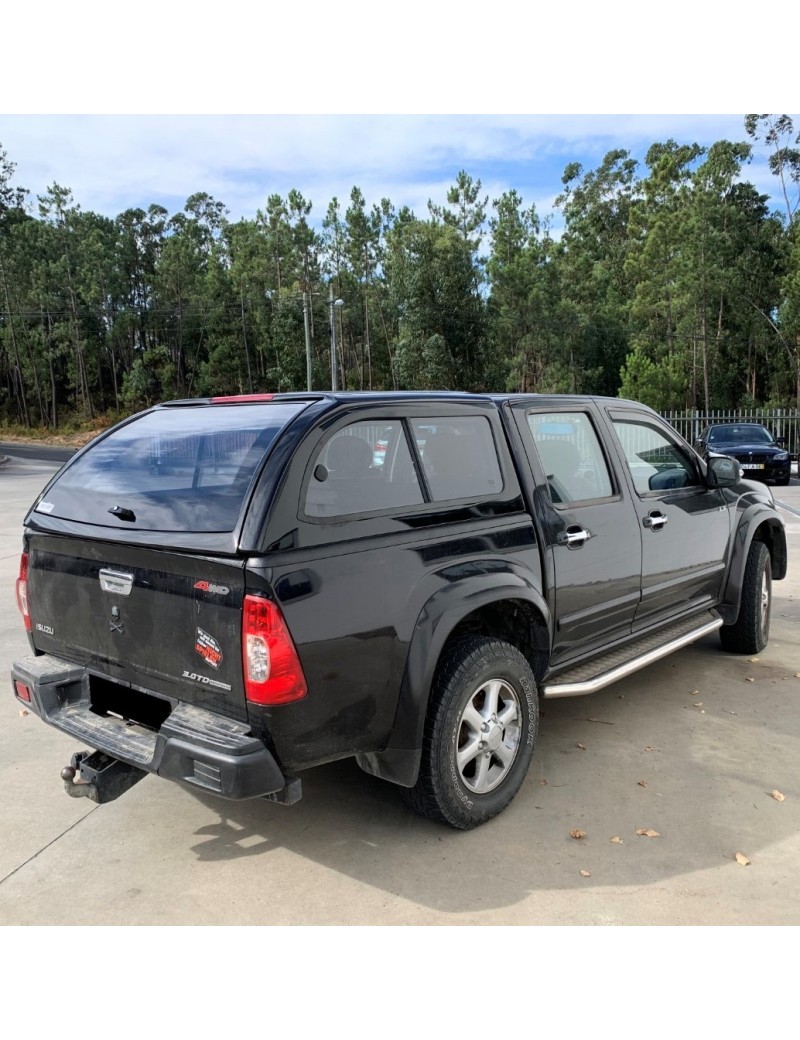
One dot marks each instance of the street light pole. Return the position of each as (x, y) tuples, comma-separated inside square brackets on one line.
[(308, 342), (331, 304), (334, 386)]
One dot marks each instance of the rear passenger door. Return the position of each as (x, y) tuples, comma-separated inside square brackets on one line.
[(590, 528)]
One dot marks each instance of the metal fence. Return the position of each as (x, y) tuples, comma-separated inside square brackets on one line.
[(781, 422)]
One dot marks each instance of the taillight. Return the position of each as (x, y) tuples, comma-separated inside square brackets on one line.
[(272, 670), (22, 591), (23, 691)]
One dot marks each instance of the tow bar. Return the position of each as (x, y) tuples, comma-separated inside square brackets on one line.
[(101, 777)]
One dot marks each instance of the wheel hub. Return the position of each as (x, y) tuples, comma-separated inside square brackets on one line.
[(494, 737)]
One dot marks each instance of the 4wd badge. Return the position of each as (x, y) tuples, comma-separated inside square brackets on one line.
[(208, 648)]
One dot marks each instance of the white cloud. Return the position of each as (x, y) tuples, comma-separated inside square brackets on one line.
[(113, 162)]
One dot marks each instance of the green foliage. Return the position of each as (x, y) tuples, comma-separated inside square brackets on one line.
[(148, 379), (659, 385), (432, 280)]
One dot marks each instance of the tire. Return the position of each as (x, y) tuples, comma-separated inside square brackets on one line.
[(750, 632), (483, 702), (783, 482)]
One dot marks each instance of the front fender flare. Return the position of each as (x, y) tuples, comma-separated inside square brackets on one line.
[(752, 519)]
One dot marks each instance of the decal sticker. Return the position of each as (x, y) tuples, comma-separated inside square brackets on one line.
[(208, 648), (45, 507), (116, 623), (47, 629), (206, 586), (205, 680)]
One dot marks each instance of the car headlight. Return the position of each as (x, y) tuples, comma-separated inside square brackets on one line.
[(782, 456)]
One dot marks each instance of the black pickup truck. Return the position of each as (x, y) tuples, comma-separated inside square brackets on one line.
[(226, 592)]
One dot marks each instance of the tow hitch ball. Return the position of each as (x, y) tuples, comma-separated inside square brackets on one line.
[(95, 775)]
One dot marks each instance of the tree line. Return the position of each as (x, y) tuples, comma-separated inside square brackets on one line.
[(673, 283)]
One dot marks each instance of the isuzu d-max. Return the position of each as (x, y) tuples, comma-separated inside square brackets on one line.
[(228, 591)]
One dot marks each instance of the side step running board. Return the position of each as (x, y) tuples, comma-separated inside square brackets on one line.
[(607, 669)]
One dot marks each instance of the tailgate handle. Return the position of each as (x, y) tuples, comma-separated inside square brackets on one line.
[(114, 581)]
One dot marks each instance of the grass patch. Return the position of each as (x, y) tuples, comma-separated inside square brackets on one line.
[(73, 433)]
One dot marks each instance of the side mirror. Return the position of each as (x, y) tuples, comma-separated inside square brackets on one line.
[(723, 472)]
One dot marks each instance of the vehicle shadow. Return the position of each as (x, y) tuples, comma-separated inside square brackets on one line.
[(690, 749)]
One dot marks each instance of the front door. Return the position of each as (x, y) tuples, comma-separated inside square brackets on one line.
[(685, 525)]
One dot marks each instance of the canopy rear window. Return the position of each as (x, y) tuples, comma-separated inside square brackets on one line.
[(175, 469)]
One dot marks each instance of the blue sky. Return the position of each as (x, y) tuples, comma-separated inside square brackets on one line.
[(112, 162)]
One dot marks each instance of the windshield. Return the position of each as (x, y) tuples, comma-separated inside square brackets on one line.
[(741, 433), (175, 469)]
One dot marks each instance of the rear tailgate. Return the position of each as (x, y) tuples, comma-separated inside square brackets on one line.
[(149, 618), (134, 563)]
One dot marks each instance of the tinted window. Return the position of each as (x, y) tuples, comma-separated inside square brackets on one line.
[(176, 469), (571, 456), (459, 456), (364, 468), (655, 461)]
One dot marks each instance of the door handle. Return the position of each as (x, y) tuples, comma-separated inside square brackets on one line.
[(655, 521), (573, 537)]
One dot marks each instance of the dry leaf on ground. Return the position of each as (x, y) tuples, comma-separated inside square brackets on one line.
[(23, 712), (577, 833), (585, 873), (542, 782), (642, 783), (581, 746), (748, 679), (778, 796), (649, 747), (753, 660), (741, 858), (647, 832), (698, 704), (616, 840)]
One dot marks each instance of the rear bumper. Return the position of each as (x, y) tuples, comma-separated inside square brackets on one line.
[(192, 745)]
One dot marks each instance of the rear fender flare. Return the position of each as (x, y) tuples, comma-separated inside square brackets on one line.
[(435, 624)]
